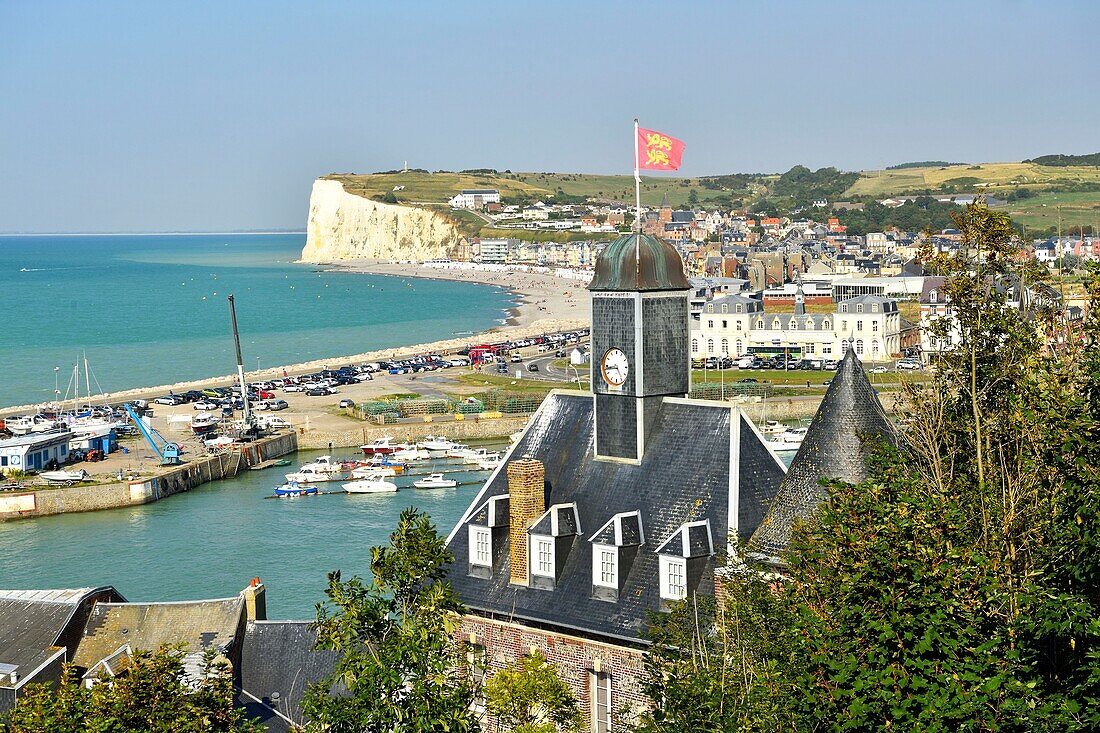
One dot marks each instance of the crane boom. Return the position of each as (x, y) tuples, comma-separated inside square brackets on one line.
[(169, 452)]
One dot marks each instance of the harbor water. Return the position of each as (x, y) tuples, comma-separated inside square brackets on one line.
[(151, 310), (209, 542)]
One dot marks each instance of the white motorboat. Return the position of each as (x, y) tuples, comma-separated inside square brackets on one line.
[(32, 424), (410, 453), (64, 478), (204, 424), (372, 484), (221, 441), (458, 451), (321, 469), (490, 462), (363, 472), (379, 447), (475, 456), (774, 427), (436, 444), (789, 440), (435, 481)]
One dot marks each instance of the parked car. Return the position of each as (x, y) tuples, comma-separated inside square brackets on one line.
[(877, 370), (502, 368), (206, 405), (347, 403), (168, 400), (265, 394), (211, 392), (294, 388), (532, 367), (516, 358), (908, 364), (274, 422), (277, 404), (320, 392)]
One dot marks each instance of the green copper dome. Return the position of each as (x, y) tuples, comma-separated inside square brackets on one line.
[(639, 262)]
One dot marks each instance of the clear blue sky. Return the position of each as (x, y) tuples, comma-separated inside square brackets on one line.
[(208, 116)]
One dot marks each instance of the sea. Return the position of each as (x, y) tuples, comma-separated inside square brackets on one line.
[(150, 310)]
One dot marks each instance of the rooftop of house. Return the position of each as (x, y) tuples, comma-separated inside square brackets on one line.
[(704, 462), (834, 448)]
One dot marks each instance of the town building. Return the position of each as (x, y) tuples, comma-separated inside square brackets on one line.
[(34, 451), (495, 251), (613, 503), (736, 325), (475, 198)]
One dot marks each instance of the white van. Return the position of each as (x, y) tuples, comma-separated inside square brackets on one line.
[(745, 362)]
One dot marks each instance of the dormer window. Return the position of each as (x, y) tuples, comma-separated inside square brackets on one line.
[(614, 547), (487, 528), (844, 309), (725, 308), (682, 559), (740, 308), (932, 295), (859, 308), (550, 541)]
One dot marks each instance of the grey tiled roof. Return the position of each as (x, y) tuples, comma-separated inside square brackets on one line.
[(832, 449), (684, 476)]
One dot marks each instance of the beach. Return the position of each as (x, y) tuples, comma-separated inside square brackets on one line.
[(544, 296)]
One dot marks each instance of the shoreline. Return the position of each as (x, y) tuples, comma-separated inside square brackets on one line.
[(538, 312)]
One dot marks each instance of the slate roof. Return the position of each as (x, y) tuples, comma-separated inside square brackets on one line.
[(199, 625), (278, 657), (833, 448), (685, 475), (34, 624)]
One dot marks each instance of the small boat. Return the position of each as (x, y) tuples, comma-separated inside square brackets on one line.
[(774, 427), (293, 489), (204, 424), (63, 478), (372, 484), (32, 424), (363, 472), (411, 453), (387, 462), (475, 456), (222, 441), (790, 440), (435, 481), (437, 444), (379, 447), (490, 462), (459, 451), (323, 468)]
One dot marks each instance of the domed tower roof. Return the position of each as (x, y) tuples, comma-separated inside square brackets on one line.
[(639, 262), (832, 449)]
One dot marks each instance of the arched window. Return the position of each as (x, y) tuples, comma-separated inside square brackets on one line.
[(859, 307), (725, 308), (740, 308), (793, 325), (776, 325), (874, 346), (859, 346), (710, 346), (725, 346), (932, 295), (710, 308), (825, 324), (695, 346), (844, 346), (739, 346)]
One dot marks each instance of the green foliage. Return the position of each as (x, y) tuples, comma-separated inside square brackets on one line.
[(919, 215), (151, 695), (803, 185), (958, 588), (528, 696), (1066, 160), (921, 164), (396, 670)]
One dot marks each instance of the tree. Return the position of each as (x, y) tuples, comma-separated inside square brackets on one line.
[(693, 198), (153, 694), (528, 696), (396, 671)]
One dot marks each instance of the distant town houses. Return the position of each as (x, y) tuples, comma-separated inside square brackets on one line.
[(475, 198)]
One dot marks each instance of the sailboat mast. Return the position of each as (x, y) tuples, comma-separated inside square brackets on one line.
[(87, 380)]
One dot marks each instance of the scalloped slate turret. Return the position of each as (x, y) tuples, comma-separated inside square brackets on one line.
[(639, 263), (832, 449)]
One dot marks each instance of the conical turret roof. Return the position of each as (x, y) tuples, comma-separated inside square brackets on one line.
[(832, 449)]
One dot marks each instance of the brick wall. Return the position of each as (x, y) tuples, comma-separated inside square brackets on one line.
[(526, 481), (575, 659)]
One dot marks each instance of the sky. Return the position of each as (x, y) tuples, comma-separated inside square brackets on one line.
[(156, 116)]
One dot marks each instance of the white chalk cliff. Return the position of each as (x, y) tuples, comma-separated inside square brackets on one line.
[(343, 226)]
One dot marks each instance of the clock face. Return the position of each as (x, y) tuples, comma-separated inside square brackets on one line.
[(614, 366)]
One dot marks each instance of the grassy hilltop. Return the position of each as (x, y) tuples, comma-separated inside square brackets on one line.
[(1034, 193)]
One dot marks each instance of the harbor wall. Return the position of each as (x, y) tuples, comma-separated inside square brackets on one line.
[(471, 428), (171, 480)]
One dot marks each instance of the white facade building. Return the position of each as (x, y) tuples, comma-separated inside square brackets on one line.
[(475, 198), (734, 325)]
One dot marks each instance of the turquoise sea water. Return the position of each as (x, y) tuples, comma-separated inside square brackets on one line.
[(152, 309)]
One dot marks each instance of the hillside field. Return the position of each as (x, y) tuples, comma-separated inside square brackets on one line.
[(1041, 210), (994, 175)]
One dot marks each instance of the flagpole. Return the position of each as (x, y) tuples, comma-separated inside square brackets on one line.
[(637, 199)]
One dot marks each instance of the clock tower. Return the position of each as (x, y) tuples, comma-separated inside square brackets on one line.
[(639, 340)]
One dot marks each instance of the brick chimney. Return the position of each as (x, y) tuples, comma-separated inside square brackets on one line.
[(526, 503)]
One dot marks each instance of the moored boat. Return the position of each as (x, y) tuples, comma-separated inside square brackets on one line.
[(437, 445), (64, 477), (490, 461), (363, 472), (371, 484), (293, 489), (475, 456), (411, 453), (435, 481), (379, 447), (789, 440)]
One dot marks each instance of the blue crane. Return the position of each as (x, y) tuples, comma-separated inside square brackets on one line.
[(168, 451)]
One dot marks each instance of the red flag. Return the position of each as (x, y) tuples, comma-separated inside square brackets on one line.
[(658, 152)]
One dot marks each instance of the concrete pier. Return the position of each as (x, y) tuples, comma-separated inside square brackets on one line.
[(166, 482)]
